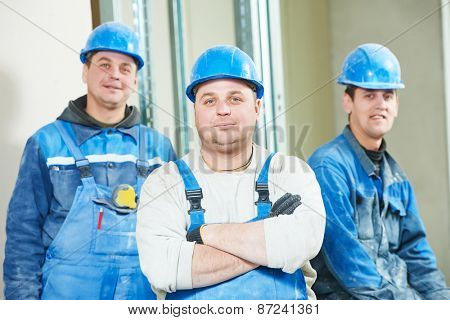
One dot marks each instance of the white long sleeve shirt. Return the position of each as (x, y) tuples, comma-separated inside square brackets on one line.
[(228, 197)]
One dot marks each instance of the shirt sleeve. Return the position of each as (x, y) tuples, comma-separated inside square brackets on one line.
[(423, 273), (165, 255), (293, 240), (28, 207), (344, 255)]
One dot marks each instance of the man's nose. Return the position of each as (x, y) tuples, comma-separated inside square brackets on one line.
[(381, 102), (223, 108), (114, 73)]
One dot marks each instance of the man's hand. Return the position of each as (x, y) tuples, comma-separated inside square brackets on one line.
[(195, 235), (286, 204)]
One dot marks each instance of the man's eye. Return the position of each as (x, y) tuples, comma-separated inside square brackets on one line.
[(209, 101), (236, 99), (105, 66), (369, 96)]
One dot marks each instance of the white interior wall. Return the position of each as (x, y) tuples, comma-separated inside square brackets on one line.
[(305, 31)]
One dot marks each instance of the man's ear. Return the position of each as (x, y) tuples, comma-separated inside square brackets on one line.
[(134, 82), (258, 104), (84, 73), (347, 103), (397, 105)]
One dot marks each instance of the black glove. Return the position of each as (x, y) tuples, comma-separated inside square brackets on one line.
[(286, 204), (195, 236)]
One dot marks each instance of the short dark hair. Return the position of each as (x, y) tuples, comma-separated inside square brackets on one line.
[(89, 56), (350, 90)]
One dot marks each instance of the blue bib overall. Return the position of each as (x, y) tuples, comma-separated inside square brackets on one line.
[(94, 255), (261, 283)]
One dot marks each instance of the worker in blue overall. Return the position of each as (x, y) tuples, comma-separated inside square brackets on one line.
[(375, 245), (72, 216), (230, 220)]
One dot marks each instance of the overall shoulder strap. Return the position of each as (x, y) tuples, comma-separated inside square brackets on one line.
[(81, 162), (194, 194), (262, 188)]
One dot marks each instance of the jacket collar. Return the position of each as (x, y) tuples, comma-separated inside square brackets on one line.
[(85, 127), (365, 161)]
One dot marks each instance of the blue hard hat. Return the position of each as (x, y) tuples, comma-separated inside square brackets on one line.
[(113, 36), (224, 62), (371, 66)]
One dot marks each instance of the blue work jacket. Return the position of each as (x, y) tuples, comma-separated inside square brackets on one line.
[(46, 186), (375, 245)]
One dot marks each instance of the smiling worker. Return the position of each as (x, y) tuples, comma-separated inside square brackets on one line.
[(72, 217), (375, 245), (207, 228)]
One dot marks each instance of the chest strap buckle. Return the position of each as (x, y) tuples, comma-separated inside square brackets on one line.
[(195, 199), (263, 193)]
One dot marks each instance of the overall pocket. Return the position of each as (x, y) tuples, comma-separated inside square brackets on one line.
[(114, 234), (65, 183)]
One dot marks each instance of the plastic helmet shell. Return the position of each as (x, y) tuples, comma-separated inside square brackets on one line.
[(113, 36), (224, 62), (371, 66)]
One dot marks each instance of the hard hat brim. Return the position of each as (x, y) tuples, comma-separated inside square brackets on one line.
[(190, 89), (372, 85)]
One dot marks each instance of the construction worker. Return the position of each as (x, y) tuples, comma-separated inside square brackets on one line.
[(375, 245), (72, 216), (206, 225)]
